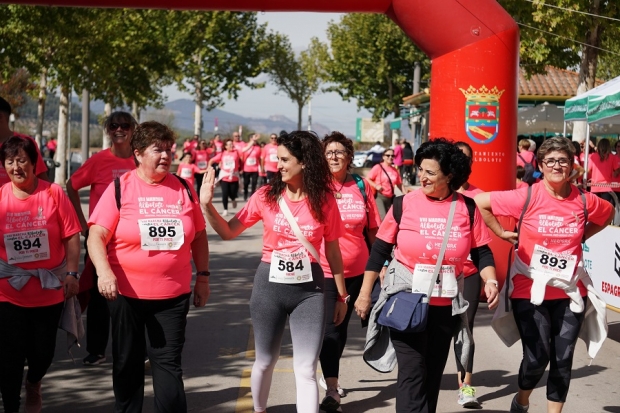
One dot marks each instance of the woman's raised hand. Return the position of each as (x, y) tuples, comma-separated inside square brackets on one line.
[(208, 187)]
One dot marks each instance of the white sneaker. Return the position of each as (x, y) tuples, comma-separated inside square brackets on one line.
[(224, 212), (323, 385), (331, 401), (467, 397)]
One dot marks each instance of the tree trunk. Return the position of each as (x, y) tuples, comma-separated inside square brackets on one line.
[(198, 111), (41, 107), (61, 150), (85, 124), (589, 62), (107, 109), (300, 106), (135, 111)]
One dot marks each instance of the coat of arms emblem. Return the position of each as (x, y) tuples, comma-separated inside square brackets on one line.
[(482, 113)]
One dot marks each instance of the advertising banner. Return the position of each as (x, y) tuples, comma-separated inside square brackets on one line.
[(601, 255)]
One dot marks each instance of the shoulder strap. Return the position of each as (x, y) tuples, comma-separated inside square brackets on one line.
[(388, 176), (295, 227), (117, 192), (184, 182), (397, 208), (444, 244), (527, 203), (360, 184), (471, 209), (585, 214)]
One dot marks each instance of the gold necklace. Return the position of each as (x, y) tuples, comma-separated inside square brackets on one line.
[(337, 194)]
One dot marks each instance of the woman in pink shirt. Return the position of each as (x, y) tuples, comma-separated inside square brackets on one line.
[(229, 165), (602, 169), (200, 157), (383, 177), (39, 254), (269, 157), (359, 213), (144, 233), (289, 281), (188, 170), (251, 165), (416, 243), (554, 219)]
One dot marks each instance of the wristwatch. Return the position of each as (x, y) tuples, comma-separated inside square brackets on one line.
[(344, 298), (74, 274)]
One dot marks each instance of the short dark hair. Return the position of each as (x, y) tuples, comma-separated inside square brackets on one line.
[(556, 144), (451, 159), (520, 172), (149, 133), (118, 116), (337, 137), (12, 147), (5, 107)]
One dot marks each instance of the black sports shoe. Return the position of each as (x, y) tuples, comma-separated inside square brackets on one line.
[(93, 359)]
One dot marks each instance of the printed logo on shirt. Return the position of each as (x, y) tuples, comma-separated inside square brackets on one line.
[(154, 205), (24, 220)]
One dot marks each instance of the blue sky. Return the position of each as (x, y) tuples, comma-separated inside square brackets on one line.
[(327, 108)]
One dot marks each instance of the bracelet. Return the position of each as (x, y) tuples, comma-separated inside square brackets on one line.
[(494, 282), (203, 273), (74, 274)]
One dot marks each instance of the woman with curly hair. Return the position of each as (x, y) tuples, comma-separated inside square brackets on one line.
[(289, 281), (416, 238)]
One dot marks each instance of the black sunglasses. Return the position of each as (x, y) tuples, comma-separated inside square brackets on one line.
[(123, 126), (389, 156)]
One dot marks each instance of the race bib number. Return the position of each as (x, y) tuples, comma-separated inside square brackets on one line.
[(446, 285), (228, 164), (273, 157), (186, 173), (250, 161), (27, 246), (161, 234), (202, 164), (290, 267), (553, 264)]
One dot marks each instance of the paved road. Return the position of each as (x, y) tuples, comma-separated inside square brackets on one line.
[(218, 357)]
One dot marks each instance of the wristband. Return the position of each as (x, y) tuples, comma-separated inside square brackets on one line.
[(494, 282), (203, 273), (344, 298), (74, 274)]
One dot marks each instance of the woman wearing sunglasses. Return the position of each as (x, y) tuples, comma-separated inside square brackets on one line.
[(384, 177), (98, 172)]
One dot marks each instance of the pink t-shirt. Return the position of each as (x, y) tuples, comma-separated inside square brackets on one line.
[(601, 172), (187, 171), (150, 274), (252, 159), (422, 227), (277, 233), (398, 155), (380, 177), (98, 171), (355, 218), (201, 157), (219, 146), (230, 163), (239, 146), (270, 157), (549, 222), (521, 184), (470, 268), (528, 156), (32, 234), (40, 167)]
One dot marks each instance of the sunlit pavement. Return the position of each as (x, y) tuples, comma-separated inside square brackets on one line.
[(218, 357)]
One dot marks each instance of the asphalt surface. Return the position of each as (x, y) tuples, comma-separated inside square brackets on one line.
[(218, 356)]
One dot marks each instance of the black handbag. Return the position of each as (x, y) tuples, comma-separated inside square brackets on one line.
[(407, 312)]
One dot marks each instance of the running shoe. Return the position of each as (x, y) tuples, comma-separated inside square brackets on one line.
[(34, 398), (517, 408), (331, 401), (323, 385), (224, 213), (467, 397), (93, 359)]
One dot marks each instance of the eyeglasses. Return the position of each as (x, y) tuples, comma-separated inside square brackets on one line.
[(337, 154), (388, 156), (123, 126), (550, 162)]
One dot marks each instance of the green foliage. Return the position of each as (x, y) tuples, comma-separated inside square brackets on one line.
[(14, 88), (299, 77), (372, 61), (217, 52)]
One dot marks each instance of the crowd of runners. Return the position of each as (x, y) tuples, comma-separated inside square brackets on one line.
[(334, 243)]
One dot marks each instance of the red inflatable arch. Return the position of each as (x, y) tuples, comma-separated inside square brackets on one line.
[(474, 46)]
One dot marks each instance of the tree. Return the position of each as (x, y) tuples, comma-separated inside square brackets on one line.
[(372, 61), (547, 30), (217, 53), (15, 88), (297, 77)]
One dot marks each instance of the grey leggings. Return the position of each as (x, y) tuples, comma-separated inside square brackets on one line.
[(270, 305)]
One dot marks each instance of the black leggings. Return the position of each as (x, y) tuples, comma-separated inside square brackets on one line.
[(548, 335), (229, 190), (246, 182), (335, 337), (471, 294)]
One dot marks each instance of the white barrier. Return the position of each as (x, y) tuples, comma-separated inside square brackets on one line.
[(601, 255)]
